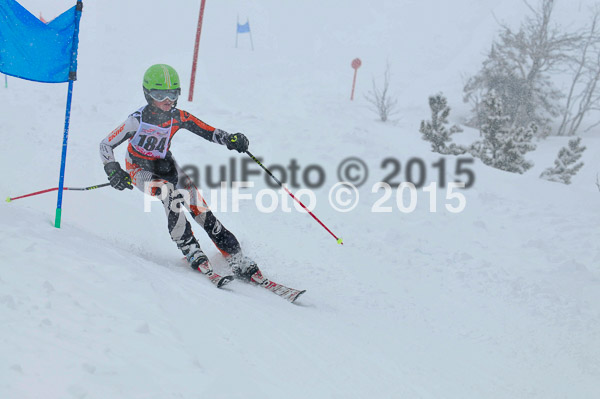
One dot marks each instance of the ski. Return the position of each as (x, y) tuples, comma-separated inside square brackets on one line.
[(214, 278), (218, 280), (287, 293)]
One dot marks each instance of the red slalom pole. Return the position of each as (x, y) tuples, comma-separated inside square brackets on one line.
[(9, 199), (339, 240), (196, 47)]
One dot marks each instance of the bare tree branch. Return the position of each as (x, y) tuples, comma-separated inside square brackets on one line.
[(585, 80), (383, 104), (580, 65)]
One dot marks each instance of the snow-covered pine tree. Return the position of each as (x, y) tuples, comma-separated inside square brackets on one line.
[(493, 125), (436, 132), (517, 144), (502, 147), (565, 165)]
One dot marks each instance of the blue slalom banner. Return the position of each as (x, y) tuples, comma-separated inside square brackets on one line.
[(43, 52)]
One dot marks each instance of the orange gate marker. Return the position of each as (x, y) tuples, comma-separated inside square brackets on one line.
[(356, 63)]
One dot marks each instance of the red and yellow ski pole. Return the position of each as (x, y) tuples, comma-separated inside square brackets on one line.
[(9, 199), (339, 240)]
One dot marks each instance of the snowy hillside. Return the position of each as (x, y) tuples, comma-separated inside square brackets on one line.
[(500, 300)]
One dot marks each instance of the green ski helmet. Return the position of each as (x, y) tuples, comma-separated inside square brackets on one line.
[(161, 81)]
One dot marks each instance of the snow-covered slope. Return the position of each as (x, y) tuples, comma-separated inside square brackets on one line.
[(501, 300)]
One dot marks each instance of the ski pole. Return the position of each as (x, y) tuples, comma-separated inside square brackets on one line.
[(9, 199), (339, 240)]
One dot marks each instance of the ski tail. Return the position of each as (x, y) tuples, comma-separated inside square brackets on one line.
[(220, 281)]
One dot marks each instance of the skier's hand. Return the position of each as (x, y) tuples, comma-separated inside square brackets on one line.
[(117, 177), (238, 142)]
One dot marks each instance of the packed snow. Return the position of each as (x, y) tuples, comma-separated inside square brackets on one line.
[(499, 300)]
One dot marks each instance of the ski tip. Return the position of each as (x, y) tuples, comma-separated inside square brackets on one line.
[(292, 300)]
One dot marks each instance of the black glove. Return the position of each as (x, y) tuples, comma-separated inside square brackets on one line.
[(118, 178), (237, 142)]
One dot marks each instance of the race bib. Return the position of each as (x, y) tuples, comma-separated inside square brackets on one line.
[(151, 140)]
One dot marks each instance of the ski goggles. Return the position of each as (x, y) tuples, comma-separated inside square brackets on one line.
[(162, 95)]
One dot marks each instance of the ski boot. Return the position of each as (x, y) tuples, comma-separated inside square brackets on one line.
[(245, 269)]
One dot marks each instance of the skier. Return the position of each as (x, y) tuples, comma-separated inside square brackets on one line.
[(151, 167)]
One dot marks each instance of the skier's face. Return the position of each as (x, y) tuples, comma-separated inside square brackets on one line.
[(164, 105)]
